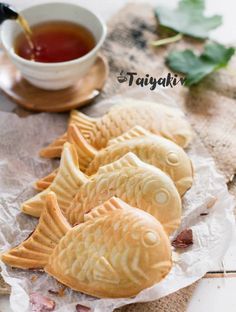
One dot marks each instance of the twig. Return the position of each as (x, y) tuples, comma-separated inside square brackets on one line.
[(168, 40)]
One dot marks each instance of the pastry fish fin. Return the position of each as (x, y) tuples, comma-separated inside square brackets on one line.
[(83, 122), (54, 149), (65, 185), (128, 160), (45, 182), (104, 272), (134, 132), (184, 184), (110, 205), (85, 151), (34, 252)]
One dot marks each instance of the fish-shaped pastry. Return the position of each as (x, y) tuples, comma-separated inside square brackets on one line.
[(139, 184), (157, 118), (150, 148), (117, 252)]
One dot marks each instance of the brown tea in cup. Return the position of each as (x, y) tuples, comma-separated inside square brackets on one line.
[(56, 41)]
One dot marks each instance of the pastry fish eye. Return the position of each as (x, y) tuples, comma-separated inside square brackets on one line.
[(172, 159), (162, 197), (150, 238)]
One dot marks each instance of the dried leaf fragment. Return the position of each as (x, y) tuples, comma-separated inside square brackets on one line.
[(41, 303), (184, 239), (60, 292), (53, 292), (81, 308)]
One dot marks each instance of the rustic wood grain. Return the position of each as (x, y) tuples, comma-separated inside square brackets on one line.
[(35, 99)]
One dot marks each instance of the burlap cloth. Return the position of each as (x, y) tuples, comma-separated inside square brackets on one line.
[(210, 107)]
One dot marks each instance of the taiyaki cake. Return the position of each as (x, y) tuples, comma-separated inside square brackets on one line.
[(162, 120), (117, 252), (150, 148), (139, 184), (65, 185)]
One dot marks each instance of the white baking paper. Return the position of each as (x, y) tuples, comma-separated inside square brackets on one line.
[(20, 165)]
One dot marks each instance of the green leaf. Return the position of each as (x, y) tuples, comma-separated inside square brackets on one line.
[(217, 53), (188, 18), (214, 57)]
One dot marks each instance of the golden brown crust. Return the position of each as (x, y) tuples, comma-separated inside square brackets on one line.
[(137, 183), (135, 132), (113, 255), (34, 252), (85, 151), (152, 149), (157, 118), (45, 182), (65, 185), (109, 206), (85, 123), (54, 150), (117, 252), (134, 181), (155, 150), (160, 119)]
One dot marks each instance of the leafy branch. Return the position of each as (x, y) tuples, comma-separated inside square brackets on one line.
[(188, 19)]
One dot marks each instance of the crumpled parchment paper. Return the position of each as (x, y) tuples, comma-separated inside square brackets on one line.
[(20, 165)]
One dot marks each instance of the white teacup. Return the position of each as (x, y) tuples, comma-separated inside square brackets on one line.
[(54, 76)]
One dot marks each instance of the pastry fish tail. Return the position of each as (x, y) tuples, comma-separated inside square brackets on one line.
[(35, 251), (65, 185), (85, 123), (54, 149), (45, 182), (85, 151)]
